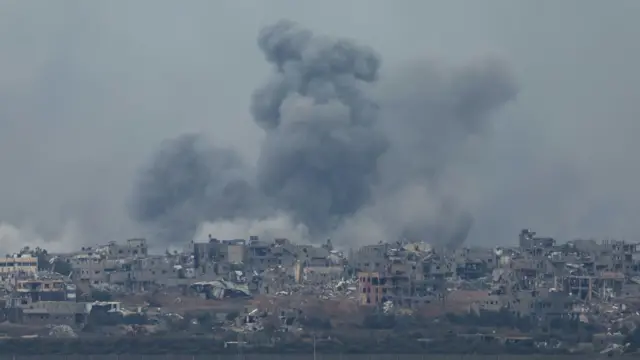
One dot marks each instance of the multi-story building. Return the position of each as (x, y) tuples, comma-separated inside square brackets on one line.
[(131, 248), (49, 313), (370, 257), (18, 264), (372, 288), (36, 290), (89, 269)]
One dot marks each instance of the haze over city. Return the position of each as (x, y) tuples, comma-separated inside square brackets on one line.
[(455, 121)]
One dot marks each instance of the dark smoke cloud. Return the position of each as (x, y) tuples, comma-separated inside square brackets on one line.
[(189, 182), (344, 154), (321, 149)]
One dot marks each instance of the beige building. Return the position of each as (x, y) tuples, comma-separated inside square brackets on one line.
[(372, 287), (35, 290), (25, 264)]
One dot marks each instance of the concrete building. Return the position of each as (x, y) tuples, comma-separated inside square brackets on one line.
[(372, 288), (20, 264), (49, 313), (131, 248), (37, 290), (319, 275), (370, 257), (528, 240), (89, 269)]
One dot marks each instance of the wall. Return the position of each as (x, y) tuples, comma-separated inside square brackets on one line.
[(323, 275), (132, 248), (41, 319), (235, 253)]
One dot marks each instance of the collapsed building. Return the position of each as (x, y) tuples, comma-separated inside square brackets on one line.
[(539, 279)]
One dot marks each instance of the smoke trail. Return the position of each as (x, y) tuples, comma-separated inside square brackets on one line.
[(318, 161)]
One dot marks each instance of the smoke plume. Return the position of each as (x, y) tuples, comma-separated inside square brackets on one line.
[(434, 118), (189, 182), (319, 157), (13, 238), (344, 155)]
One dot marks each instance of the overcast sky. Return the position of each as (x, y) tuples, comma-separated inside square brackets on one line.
[(89, 89)]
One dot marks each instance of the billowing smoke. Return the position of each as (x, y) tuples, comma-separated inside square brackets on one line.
[(320, 154), (344, 155), (189, 182), (434, 118), (13, 238)]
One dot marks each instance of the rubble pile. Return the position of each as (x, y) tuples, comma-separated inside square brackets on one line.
[(62, 331), (264, 287)]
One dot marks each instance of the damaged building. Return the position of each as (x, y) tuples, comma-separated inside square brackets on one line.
[(539, 279)]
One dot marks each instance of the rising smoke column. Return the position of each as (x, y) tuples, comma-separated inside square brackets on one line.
[(189, 182), (435, 117), (319, 158), (334, 160)]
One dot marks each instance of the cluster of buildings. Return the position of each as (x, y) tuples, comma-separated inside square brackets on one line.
[(539, 278), (36, 293)]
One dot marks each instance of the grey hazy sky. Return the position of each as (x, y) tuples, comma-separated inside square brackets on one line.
[(89, 89)]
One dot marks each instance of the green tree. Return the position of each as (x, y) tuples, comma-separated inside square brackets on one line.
[(62, 267), (41, 254)]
